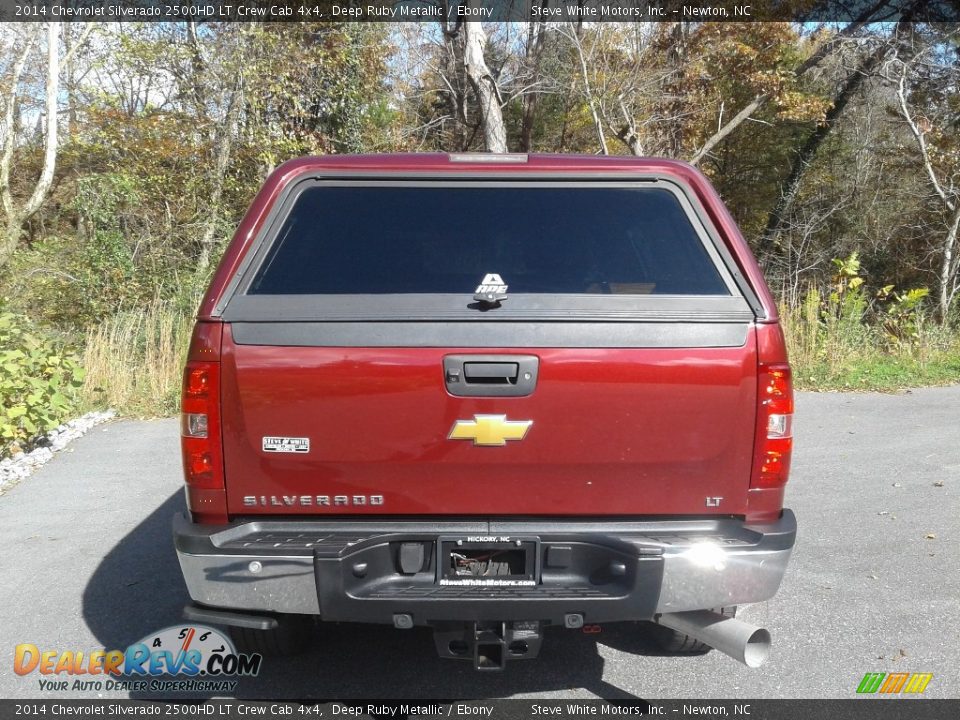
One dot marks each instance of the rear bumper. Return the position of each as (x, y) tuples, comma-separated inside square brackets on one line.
[(345, 570)]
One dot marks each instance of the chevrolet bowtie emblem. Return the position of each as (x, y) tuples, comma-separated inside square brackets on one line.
[(489, 429)]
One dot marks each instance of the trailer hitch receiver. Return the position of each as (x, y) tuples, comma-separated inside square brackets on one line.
[(489, 644)]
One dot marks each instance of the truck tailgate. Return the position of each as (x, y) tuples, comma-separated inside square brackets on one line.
[(614, 431)]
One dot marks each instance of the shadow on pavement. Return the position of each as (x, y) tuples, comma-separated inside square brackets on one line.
[(137, 589), (372, 661)]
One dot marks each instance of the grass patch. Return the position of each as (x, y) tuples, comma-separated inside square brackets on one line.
[(881, 373), (842, 352), (134, 360)]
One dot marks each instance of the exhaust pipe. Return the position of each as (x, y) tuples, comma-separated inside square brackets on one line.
[(746, 643)]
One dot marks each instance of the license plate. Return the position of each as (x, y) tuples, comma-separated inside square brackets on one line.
[(494, 561)]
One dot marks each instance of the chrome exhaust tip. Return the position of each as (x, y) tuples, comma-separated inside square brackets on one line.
[(742, 641)]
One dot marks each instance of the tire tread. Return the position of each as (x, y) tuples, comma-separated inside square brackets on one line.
[(291, 636)]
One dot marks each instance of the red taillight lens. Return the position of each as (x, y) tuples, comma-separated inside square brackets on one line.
[(200, 468), (200, 439), (196, 381), (200, 426), (774, 441)]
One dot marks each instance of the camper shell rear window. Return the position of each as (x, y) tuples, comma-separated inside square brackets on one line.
[(445, 239)]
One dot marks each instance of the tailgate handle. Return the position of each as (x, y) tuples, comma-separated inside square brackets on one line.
[(494, 373), (490, 375)]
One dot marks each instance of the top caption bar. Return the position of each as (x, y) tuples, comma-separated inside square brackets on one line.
[(452, 11)]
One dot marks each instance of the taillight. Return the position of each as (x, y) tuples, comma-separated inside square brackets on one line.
[(200, 427), (774, 441)]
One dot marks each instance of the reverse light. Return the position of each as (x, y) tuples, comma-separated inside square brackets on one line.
[(194, 425), (779, 426)]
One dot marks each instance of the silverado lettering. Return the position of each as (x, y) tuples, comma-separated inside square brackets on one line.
[(370, 434), (314, 500)]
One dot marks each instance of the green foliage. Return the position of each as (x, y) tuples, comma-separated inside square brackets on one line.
[(38, 382), (828, 329), (849, 341), (902, 315), (101, 199), (113, 259), (313, 88), (844, 311), (842, 353)]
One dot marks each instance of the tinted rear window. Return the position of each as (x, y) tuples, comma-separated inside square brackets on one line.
[(370, 240)]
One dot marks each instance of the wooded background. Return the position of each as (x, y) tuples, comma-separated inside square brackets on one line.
[(129, 151)]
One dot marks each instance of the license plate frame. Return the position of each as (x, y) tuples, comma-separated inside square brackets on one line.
[(520, 553)]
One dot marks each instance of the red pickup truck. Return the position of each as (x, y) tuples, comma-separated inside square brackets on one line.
[(486, 394)]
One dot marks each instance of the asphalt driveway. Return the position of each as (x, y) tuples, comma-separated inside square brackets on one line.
[(874, 583)]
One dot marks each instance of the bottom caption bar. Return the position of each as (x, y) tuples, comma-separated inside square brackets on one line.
[(855, 709)]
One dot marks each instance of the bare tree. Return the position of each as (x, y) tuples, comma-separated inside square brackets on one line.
[(616, 80), (484, 85), (676, 60), (943, 182), (588, 92), (224, 148), (533, 55), (17, 215), (222, 130)]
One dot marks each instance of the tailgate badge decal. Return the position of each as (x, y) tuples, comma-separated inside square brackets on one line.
[(491, 289), (493, 430), (286, 445)]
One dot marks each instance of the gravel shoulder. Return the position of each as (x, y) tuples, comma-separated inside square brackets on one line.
[(873, 584)]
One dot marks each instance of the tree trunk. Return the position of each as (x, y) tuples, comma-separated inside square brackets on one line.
[(17, 216), (720, 134), (453, 73), (534, 52), (10, 133), (42, 188), (69, 82), (197, 68), (628, 134), (677, 61), (10, 240), (484, 86), (948, 268), (221, 163), (576, 38)]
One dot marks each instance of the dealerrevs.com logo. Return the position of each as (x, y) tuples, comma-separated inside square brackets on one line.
[(182, 658)]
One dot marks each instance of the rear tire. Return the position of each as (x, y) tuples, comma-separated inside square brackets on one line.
[(678, 643), (292, 635)]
